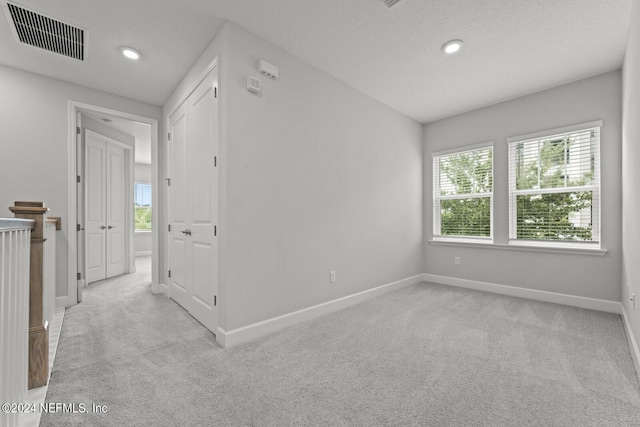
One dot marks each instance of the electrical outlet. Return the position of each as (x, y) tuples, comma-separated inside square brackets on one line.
[(456, 260), (332, 276)]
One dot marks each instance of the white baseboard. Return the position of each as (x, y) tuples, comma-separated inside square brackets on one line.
[(633, 344), (61, 303), (553, 297), (163, 289), (143, 253), (255, 330)]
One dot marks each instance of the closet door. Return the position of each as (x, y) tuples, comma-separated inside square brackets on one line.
[(95, 209), (203, 148), (105, 209), (115, 211), (193, 205), (179, 210)]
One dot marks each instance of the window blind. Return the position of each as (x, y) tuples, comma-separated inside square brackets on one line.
[(463, 194), (554, 186)]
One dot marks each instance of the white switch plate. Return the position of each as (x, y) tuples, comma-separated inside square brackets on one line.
[(332, 276)]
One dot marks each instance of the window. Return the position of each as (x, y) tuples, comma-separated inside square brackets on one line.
[(142, 203), (554, 186), (463, 194)]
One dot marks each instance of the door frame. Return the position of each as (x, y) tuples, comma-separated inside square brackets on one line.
[(128, 195), (73, 110)]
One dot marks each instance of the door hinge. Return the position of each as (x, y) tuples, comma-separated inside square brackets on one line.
[(79, 276), (215, 161), (215, 230), (215, 92), (78, 178), (169, 273), (168, 181), (215, 300), (169, 136), (78, 130), (77, 227), (169, 227)]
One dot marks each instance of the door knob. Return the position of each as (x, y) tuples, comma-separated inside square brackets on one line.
[(102, 227), (187, 232), (110, 227)]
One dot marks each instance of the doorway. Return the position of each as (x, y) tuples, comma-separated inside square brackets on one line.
[(106, 125)]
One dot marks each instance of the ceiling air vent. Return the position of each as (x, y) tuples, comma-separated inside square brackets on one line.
[(390, 3), (46, 33)]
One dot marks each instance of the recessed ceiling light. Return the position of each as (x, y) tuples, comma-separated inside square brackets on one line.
[(452, 46), (130, 53)]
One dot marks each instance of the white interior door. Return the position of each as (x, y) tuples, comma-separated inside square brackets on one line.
[(193, 207), (203, 179), (105, 208), (179, 214), (95, 209), (115, 211)]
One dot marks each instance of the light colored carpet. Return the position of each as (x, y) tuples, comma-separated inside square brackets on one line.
[(427, 355)]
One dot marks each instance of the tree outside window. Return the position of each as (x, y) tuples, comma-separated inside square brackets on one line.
[(463, 188), (554, 187), (142, 204)]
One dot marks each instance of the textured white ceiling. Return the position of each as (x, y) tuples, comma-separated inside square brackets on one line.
[(512, 47), (170, 37)]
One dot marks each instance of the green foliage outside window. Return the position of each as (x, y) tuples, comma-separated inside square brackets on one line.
[(555, 215), (143, 218), (543, 169), (466, 217), (466, 173), (142, 204)]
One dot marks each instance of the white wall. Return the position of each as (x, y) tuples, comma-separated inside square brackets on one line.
[(33, 153), (597, 98), (319, 178), (142, 243), (631, 171), (142, 173), (314, 177)]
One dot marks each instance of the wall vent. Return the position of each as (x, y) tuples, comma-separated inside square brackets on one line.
[(46, 33), (390, 3)]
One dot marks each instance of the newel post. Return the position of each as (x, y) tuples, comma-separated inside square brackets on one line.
[(38, 329)]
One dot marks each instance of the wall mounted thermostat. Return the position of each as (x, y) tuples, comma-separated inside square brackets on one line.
[(268, 69), (254, 85)]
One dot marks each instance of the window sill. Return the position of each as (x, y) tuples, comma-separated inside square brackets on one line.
[(143, 231), (523, 247)]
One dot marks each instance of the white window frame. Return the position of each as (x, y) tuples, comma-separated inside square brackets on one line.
[(436, 199), (595, 189)]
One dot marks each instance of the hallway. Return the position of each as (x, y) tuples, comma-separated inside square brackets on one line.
[(119, 325)]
